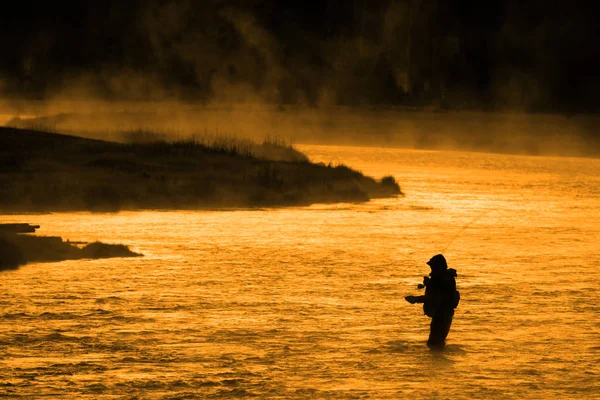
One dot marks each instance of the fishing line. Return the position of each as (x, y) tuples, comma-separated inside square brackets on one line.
[(460, 232), (465, 227)]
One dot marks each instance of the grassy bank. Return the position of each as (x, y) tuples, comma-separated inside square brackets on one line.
[(42, 171)]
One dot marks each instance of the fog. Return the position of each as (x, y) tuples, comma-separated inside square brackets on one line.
[(517, 133), (388, 73)]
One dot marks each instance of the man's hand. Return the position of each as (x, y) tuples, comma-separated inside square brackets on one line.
[(411, 299)]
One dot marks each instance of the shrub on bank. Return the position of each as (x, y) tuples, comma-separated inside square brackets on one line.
[(10, 255)]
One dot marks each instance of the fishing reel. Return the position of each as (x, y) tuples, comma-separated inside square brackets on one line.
[(426, 280)]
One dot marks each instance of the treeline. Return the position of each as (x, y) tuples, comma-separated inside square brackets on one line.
[(460, 53)]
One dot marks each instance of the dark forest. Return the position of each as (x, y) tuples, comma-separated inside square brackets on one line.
[(459, 54)]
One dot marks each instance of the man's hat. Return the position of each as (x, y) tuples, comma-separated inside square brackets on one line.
[(437, 261)]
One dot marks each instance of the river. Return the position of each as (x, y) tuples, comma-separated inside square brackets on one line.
[(309, 302)]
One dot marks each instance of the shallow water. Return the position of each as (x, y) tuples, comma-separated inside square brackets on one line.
[(308, 302)]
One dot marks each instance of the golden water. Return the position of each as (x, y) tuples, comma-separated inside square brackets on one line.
[(308, 302)]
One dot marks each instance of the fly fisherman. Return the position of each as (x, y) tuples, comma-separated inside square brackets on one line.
[(439, 301)]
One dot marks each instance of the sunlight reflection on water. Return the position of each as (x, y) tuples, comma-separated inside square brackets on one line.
[(308, 302)]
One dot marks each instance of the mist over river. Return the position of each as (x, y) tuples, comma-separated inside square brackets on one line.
[(309, 302)]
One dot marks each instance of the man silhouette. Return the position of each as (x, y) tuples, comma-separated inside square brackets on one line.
[(439, 301)]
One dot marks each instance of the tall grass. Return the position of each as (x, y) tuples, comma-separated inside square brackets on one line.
[(269, 148)]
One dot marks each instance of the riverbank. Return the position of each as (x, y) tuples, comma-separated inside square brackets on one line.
[(49, 172)]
